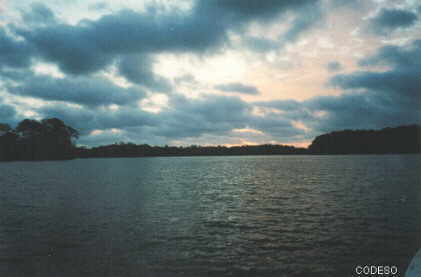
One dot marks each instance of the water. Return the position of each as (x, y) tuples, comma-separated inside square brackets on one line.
[(209, 216)]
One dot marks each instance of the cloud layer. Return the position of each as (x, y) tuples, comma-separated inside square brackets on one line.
[(388, 20), (213, 72), (237, 87)]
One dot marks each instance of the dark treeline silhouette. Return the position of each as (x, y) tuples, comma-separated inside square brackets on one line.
[(48, 139), (52, 139), (133, 150), (399, 140)]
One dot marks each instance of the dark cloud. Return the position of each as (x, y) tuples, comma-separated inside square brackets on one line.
[(238, 12), (80, 118), (185, 118), (388, 20), (347, 111), (79, 90), (238, 88), (399, 86), (125, 117), (334, 66), (206, 115), (253, 9), (377, 99), (138, 69), (302, 22), (396, 85), (14, 53), (87, 120), (7, 112), (92, 45), (219, 115), (406, 57), (275, 125), (307, 13), (38, 14), (72, 48)]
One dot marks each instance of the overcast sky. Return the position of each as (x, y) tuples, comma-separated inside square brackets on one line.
[(211, 71)]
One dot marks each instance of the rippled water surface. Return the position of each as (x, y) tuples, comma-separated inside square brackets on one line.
[(209, 216)]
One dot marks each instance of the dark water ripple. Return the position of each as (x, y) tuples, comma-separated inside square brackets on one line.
[(209, 216)]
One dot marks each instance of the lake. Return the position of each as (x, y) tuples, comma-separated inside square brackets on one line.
[(209, 216)]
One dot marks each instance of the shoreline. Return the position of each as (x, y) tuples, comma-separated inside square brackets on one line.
[(226, 155)]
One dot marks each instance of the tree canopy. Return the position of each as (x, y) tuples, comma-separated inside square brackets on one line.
[(48, 139)]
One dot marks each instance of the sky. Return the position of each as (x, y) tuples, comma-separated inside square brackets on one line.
[(211, 72)]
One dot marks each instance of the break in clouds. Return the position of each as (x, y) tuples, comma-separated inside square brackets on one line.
[(211, 72)]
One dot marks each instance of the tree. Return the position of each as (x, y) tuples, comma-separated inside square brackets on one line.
[(7, 143), (58, 138), (48, 139), (4, 128)]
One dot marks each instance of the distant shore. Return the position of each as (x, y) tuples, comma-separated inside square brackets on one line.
[(52, 139), (399, 140)]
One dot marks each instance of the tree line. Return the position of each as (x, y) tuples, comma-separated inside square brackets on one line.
[(52, 139), (48, 139), (145, 150), (398, 140)]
